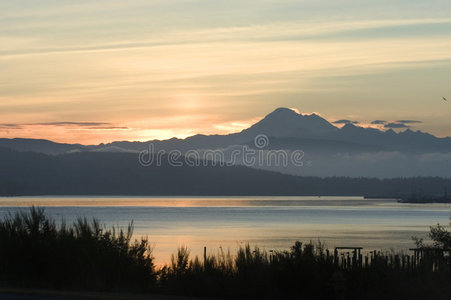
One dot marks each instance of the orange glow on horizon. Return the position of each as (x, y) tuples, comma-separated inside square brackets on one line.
[(144, 130)]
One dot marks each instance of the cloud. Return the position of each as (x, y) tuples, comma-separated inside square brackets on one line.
[(436, 157), (72, 125), (395, 125), (344, 121), (81, 124), (281, 30), (398, 123), (295, 110), (10, 126), (378, 122), (108, 128), (408, 121)]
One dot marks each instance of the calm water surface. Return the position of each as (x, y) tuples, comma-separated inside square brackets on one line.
[(269, 222)]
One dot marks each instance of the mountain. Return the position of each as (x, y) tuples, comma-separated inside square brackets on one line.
[(328, 150), (284, 122), (407, 141)]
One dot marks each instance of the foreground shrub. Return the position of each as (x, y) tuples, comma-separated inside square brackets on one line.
[(35, 252)]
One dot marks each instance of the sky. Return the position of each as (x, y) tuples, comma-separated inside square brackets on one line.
[(99, 71)]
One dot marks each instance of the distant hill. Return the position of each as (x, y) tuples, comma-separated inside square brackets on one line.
[(41, 146), (331, 151), (106, 173)]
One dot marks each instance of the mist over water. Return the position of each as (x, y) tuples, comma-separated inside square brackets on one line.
[(269, 222)]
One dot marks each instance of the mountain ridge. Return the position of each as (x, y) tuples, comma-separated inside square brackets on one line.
[(281, 123), (327, 150), (106, 174)]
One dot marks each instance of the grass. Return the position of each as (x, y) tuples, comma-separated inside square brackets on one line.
[(36, 253)]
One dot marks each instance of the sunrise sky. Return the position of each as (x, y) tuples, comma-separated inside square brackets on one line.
[(98, 71)]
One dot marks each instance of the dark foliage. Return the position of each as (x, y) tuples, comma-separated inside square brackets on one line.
[(35, 252), (303, 272)]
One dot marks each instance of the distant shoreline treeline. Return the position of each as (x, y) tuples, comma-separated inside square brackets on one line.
[(37, 253), (88, 173)]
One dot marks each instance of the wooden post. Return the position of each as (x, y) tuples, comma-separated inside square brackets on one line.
[(205, 256), (360, 258)]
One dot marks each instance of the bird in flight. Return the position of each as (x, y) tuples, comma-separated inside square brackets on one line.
[(444, 99)]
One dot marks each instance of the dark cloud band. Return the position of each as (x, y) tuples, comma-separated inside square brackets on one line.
[(345, 122)]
